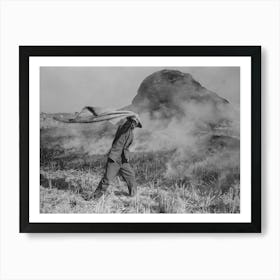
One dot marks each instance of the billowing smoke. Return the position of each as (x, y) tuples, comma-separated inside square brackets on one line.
[(88, 139), (158, 133), (198, 122), (177, 114)]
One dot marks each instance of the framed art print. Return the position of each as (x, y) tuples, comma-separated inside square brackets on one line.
[(140, 138)]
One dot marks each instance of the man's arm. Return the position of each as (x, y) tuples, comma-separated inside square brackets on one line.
[(118, 146), (126, 150)]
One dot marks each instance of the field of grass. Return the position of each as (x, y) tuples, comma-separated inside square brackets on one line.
[(172, 181)]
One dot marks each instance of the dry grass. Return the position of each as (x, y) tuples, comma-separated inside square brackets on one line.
[(172, 181), (203, 192)]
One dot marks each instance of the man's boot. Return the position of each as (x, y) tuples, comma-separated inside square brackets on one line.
[(101, 189), (97, 194), (133, 191)]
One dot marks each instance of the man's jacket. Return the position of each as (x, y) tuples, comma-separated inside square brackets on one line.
[(120, 147)]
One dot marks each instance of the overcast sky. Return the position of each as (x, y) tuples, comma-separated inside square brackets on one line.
[(69, 89)]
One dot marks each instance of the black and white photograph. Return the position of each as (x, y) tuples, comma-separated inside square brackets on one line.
[(139, 140)]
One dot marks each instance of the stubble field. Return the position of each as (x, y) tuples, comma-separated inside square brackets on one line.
[(169, 181)]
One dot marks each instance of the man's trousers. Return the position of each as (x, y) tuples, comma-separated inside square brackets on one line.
[(113, 169)]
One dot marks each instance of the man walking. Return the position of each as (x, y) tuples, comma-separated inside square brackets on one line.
[(118, 159)]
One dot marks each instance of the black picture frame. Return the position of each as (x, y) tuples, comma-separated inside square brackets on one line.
[(25, 52)]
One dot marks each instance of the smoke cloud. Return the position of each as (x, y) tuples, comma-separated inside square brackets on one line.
[(184, 133)]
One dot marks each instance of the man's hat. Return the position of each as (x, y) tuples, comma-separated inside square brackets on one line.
[(136, 118)]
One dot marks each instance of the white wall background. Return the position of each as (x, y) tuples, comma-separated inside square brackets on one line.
[(139, 256)]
